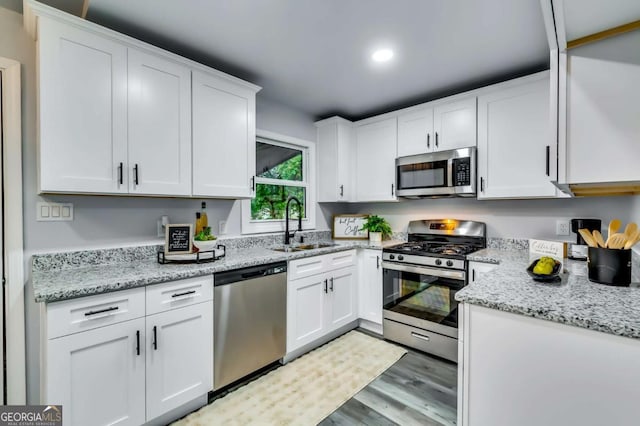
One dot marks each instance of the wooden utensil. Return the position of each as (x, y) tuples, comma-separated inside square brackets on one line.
[(630, 229), (614, 225), (616, 241), (632, 240), (599, 239), (587, 237)]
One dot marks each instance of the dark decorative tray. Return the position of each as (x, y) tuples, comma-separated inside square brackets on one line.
[(554, 276), (198, 257)]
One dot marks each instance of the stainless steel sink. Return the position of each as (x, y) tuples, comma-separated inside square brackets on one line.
[(286, 249)]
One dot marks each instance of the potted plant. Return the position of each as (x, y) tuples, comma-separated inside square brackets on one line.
[(378, 228)]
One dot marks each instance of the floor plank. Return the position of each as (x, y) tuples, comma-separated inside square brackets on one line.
[(417, 389)]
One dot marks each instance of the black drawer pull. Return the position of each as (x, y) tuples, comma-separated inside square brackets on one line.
[(428, 140), (101, 311), (548, 157), (155, 338), (183, 294), (135, 175), (331, 281), (120, 177), (138, 342), (325, 285)]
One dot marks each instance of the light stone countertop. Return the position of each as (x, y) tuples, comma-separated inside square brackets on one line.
[(84, 280), (574, 301)]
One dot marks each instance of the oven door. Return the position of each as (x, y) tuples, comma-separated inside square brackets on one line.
[(422, 296)]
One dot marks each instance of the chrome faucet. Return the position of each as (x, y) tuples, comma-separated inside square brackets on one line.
[(288, 236)]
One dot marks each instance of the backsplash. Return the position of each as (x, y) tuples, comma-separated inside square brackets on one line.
[(507, 244), (71, 259)]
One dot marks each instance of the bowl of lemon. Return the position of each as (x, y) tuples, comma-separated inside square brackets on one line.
[(545, 269)]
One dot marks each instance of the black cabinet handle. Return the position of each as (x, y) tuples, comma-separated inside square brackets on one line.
[(473, 275), (341, 190), (428, 140), (101, 311), (138, 342), (155, 338), (331, 281), (253, 183), (548, 159), (183, 293), (436, 139), (392, 189), (481, 184), (325, 286), (135, 174), (377, 262), (120, 172)]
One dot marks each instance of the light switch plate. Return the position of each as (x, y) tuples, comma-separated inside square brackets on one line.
[(54, 212)]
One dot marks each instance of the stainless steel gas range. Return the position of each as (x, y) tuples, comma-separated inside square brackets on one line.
[(420, 280)]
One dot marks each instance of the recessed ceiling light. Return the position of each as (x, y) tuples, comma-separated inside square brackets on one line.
[(382, 55)]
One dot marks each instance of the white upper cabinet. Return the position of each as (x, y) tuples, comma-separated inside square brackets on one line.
[(159, 125), (335, 146), (445, 126), (514, 140), (82, 110), (375, 160), (224, 138), (454, 124), (415, 132), (118, 116)]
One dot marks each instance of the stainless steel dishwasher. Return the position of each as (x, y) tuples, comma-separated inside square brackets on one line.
[(250, 320)]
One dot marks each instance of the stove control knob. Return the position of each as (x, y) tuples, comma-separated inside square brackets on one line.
[(391, 256), (400, 257), (438, 262), (449, 263)]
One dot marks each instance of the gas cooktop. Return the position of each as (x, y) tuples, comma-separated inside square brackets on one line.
[(421, 248)]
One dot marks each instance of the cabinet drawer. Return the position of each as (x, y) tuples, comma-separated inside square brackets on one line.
[(87, 313), (176, 294), (306, 267), (340, 259)]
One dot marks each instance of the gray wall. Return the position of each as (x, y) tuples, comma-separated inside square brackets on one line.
[(507, 218)]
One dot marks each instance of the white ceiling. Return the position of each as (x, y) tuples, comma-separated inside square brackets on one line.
[(314, 55)]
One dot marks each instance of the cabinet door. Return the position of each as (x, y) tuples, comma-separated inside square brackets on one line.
[(159, 125), (82, 111), (224, 138), (343, 304), (306, 310), (179, 351), (375, 161), (335, 146), (415, 133), (455, 125), (370, 286), (514, 138), (476, 269), (98, 375)]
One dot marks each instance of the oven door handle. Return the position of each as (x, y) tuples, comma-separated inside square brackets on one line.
[(442, 273)]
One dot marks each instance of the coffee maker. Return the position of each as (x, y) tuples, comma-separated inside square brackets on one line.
[(579, 249)]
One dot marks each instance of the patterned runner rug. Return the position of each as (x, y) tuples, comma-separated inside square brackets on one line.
[(306, 390)]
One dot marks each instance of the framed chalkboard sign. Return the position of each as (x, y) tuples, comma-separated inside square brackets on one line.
[(348, 227), (178, 239)]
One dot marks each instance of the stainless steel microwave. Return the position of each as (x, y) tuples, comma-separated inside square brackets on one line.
[(437, 174)]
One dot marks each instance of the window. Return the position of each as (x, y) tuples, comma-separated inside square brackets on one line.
[(284, 168)]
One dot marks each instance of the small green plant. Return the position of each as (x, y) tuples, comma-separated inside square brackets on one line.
[(205, 235), (377, 224)]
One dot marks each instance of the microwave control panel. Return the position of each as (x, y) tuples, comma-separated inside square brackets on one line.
[(462, 171)]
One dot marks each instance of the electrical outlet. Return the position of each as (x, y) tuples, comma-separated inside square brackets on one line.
[(562, 227), (222, 227)]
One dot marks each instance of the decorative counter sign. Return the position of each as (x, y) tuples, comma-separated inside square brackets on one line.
[(541, 248), (349, 227), (178, 239)]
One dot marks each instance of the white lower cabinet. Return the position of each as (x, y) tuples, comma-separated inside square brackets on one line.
[(477, 269), (99, 375), (179, 350), (323, 302), (132, 370), (370, 287)]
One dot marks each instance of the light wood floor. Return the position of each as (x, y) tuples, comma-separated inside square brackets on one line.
[(417, 390)]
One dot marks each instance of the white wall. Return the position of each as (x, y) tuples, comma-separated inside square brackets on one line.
[(507, 218)]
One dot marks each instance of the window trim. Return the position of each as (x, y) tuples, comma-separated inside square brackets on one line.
[(309, 182)]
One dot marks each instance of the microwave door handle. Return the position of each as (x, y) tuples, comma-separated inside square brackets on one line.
[(450, 183)]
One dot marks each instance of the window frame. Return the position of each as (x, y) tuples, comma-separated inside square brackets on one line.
[(308, 182)]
